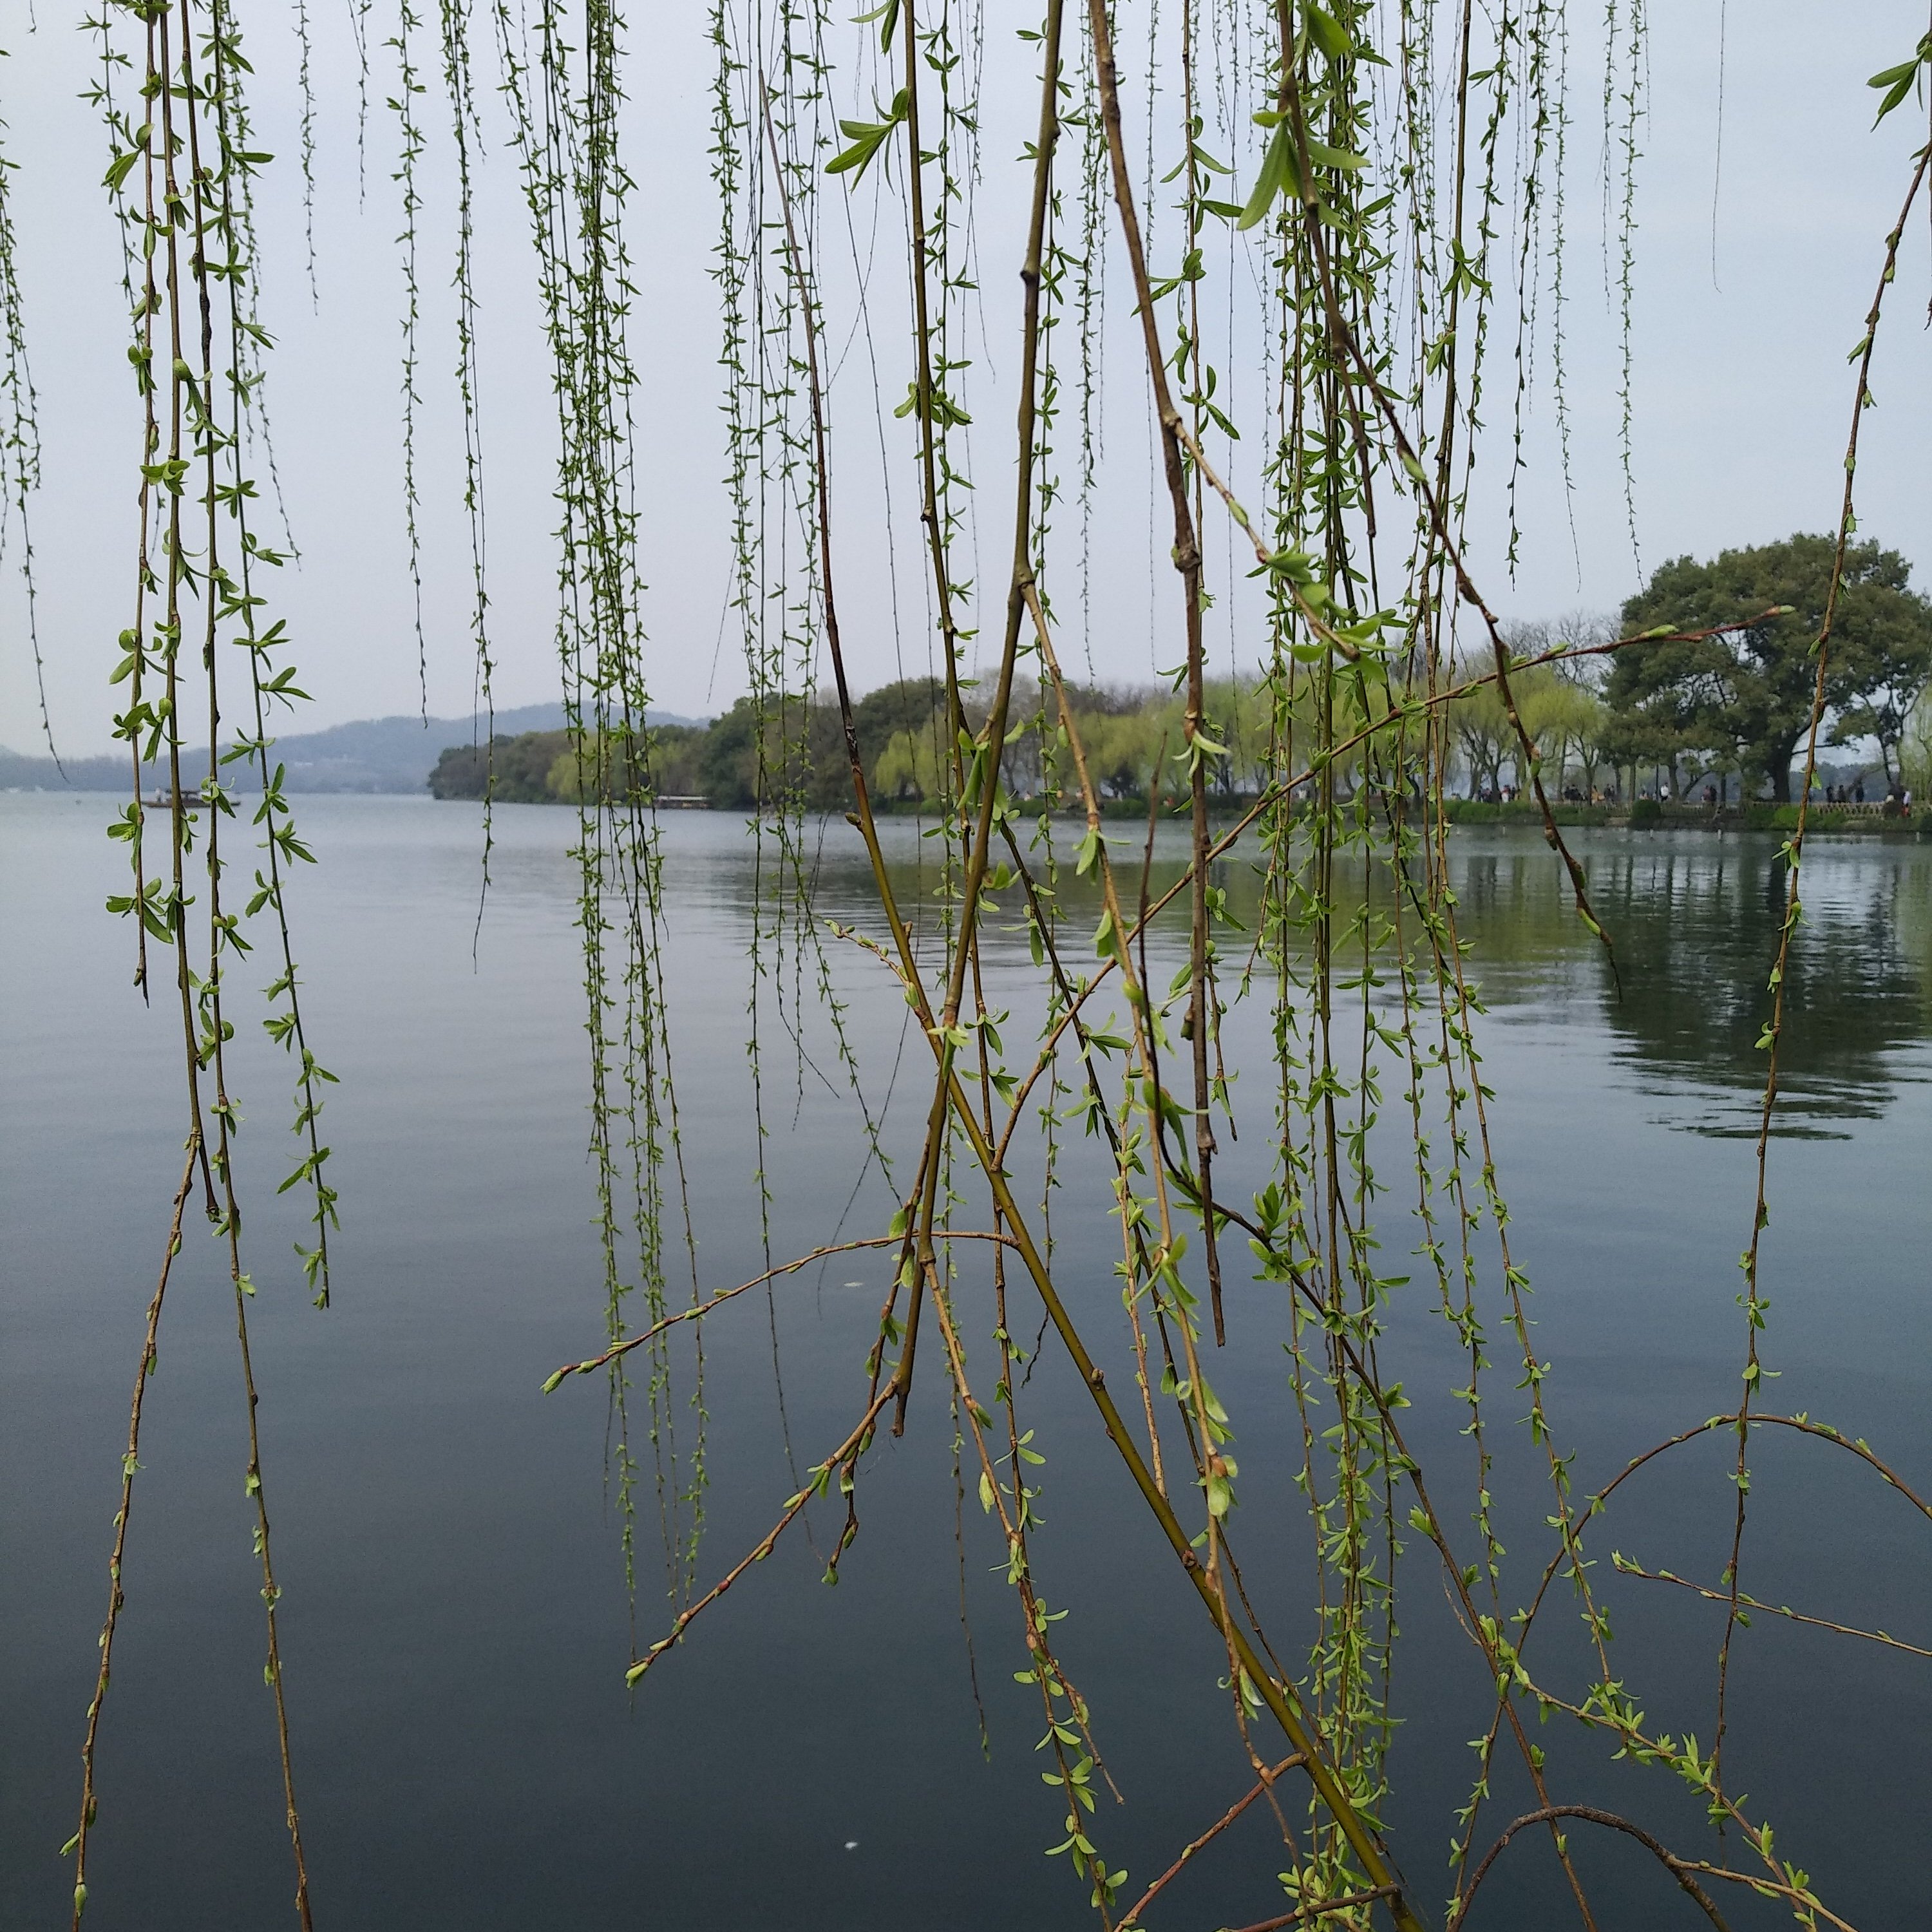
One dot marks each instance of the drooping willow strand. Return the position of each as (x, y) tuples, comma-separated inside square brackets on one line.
[(194, 361)]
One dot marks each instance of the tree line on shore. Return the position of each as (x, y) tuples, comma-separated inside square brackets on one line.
[(1663, 714)]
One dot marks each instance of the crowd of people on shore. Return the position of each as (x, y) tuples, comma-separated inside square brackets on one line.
[(1897, 796)]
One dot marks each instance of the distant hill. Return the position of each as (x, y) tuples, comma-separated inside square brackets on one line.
[(372, 755)]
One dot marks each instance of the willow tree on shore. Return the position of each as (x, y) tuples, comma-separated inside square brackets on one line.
[(1746, 696)]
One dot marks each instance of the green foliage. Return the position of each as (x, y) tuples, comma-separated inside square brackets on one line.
[(758, 755), (520, 765), (916, 705), (1915, 749), (1896, 83), (1747, 696), (913, 764), (1523, 812)]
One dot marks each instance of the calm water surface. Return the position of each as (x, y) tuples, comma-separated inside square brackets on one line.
[(455, 1623)]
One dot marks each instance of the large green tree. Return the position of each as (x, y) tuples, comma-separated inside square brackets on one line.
[(1749, 692)]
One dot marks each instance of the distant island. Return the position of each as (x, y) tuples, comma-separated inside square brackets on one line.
[(782, 751)]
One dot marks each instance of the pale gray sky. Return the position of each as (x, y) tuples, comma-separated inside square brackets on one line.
[(1742, 388)]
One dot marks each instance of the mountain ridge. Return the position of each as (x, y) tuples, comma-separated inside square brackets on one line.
[(389, 755)]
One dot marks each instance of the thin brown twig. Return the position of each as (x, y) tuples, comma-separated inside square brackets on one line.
[(701, 1309), (765, 1544), (1682, 1870), (129, 1463), (1305, 1914), (1213, 1831), (1628, 1568)]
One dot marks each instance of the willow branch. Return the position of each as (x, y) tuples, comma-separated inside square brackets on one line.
[(1681, 1869), (1261, 1785), (1628, 1568), (701, 1310), (1307, 1915), (765, 1544)]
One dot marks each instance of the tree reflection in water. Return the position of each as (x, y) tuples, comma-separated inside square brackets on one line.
[(1695, 919)]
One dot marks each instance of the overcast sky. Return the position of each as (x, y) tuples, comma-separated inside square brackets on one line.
[(1742, 388)]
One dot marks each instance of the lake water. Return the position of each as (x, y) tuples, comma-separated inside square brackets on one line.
[(454, 1623)]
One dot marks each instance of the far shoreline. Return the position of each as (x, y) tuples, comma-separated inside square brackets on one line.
[(1649, 815)]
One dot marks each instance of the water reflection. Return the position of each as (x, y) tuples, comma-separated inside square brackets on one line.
[(1697, 930), (1695, 920)]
